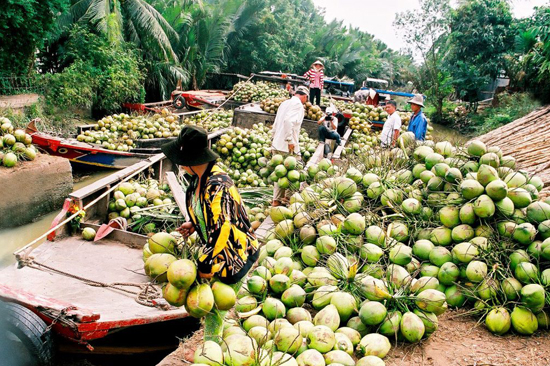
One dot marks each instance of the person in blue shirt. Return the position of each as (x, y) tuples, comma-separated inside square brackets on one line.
[(418, 123)]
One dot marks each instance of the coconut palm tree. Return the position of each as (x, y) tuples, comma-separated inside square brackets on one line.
[(137, 22)]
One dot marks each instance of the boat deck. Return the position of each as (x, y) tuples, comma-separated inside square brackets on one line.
[(105, 261)]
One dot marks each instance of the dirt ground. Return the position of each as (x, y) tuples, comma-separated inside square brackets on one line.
[(459, 341)]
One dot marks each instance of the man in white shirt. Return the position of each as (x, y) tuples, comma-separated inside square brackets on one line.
[(392, 126), (286, 132)]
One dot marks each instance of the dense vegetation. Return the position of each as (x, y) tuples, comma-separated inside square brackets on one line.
[(98, 53)]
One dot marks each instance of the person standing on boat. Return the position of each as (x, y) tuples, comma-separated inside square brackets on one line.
[(286, 133), (418, 123), (315, 76), (228, 245), (392, 126)]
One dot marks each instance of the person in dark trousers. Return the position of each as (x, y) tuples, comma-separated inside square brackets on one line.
[(228, 245), (315, 77), (327, 129)]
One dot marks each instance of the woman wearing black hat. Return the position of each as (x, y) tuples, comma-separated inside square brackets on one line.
[(214, 205)]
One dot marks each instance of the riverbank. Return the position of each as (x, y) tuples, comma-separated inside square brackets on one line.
[(33, 188)]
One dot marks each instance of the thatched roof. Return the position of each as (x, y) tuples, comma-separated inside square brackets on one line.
[(528, 141)]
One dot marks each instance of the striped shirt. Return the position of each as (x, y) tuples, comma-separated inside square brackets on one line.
[(315, 77)]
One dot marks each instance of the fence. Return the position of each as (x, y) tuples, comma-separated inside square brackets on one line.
[(12, 85)]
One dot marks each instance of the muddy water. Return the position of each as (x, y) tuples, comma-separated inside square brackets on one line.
[(14, 238)]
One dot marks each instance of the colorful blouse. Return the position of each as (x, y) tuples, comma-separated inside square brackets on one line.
[(315, 77), (230, 247)]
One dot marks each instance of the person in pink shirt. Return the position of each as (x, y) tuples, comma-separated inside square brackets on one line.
[(315, 77)]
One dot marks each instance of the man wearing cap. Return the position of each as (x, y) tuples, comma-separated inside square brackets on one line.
[(418, 122), (392, 126), (286, 132), (316, 78), (227, 244), (328, 125)]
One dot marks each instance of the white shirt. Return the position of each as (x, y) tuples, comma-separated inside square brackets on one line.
[(392, 123), (288, 121)]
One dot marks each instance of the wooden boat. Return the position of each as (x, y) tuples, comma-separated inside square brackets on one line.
[(86, 154), (84, 291)]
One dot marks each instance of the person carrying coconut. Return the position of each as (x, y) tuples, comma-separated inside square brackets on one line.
[(228, 245), (392, 126), (418, 122), (286, 133), (315, 76)]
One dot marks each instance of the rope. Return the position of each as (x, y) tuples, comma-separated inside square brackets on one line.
[(147, 296)]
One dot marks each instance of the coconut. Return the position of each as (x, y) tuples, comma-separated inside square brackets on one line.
[(525, 233), (397, 275), (322, 296), (288, 339), (375, 235), (533, 297), (390, 325), (200, 300), (343, 343), (173, 295), (498, 321), (279, 283), (465, 252), (284, 266), (538, 212), (441, 236), (208, 353), (374, 344), (326, 244), (524, 321), (255, 321), (157, 266), (339, 357), (182, 273), (224, 296), (162, 243), (400, 254), (448, 273), (455, 296), (477, 148), (511, 288), (321, 338), (260, 334), (505, 207), (515, 179), (448, 216), (526, 272), (484, 207), (470, 188), (345, 304), (432, 301), (520, 197), (256, 285), (372, 313), (421, 152), (462, 233), (412, 327), (304, 326), (88, 234), (370, 361), (354, 224), (310, 357), (487, 289), (308, 234), (240, 350), (273, 309), (440, 255)]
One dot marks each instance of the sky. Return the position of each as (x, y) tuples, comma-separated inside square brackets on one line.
[(376, 17)]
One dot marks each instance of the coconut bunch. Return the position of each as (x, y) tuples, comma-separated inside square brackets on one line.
[(119, 131), (172, 262), (312, 112), (211, 120), (15, 144), (245, 153), (147, 205), (247, 92), (271, 105)]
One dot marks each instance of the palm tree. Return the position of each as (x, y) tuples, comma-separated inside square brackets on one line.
[(139, 23)]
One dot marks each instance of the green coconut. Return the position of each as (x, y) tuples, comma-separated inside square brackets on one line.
[(533, 297), (470, 189), (375, 344), (477, 148), (524, 321), (412, 327), (498, 321)]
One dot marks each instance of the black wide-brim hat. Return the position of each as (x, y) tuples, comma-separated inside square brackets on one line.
[(190, 148)]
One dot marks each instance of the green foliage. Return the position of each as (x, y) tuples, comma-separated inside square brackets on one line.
[(481, 34), (101, 76), (23, 28), (427, 32)]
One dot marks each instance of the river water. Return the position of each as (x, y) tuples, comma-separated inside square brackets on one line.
[(15, 238)]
